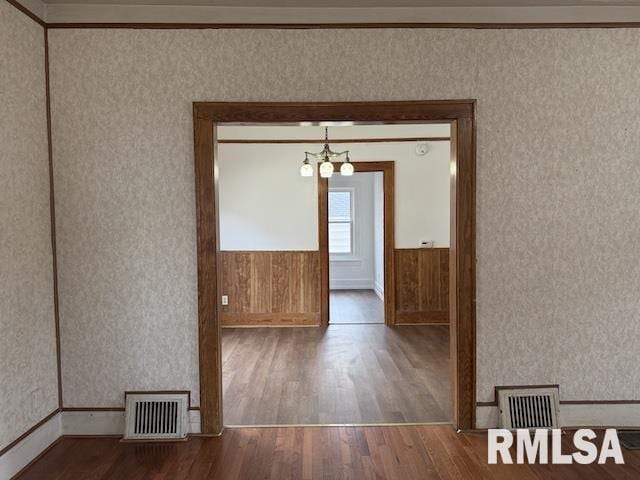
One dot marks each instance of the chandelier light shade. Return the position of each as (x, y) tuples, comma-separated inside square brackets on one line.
[(326, 168), (326, 157), (347, 167), (306, 170)]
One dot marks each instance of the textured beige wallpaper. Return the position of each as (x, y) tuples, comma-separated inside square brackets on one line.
[(558, 210), (28, 371)]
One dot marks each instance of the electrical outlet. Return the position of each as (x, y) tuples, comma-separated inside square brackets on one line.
[(225, 299)]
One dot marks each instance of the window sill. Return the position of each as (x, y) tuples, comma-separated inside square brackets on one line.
[(347, 259)]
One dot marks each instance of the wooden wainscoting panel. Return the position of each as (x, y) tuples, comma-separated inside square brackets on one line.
[(260, 294), (422, 285), (271, 288)]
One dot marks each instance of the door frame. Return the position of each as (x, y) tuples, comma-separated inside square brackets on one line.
[(388, 170), (462, 288)]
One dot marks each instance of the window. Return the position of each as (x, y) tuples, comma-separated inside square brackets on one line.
[(340, 221)]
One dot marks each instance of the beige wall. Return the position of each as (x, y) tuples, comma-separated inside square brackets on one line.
[(28, 370), (558, 212)]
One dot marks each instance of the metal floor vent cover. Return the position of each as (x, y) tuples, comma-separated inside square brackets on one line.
[(528, 407), (156, 416), (630, 439)]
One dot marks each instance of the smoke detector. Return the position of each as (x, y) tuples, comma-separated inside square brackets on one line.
[(422, 149)]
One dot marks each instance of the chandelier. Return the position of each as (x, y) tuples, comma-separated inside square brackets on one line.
[(326, 156)]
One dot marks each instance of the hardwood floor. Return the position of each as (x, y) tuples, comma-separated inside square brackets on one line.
[(343, 374), (400, 452), (355, 306)]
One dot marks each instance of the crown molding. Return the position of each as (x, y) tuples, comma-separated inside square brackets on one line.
[(150, 16), (34, 9)]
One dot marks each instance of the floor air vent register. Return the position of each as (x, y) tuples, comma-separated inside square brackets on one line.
[(156, 416), (528, 407)]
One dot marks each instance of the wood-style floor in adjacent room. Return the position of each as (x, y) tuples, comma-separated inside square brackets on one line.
[(432, 452), (355, 306), (343, 374)]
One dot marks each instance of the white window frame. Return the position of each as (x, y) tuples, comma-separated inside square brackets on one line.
[(352, 197)]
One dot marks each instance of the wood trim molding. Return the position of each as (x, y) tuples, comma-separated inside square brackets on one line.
[(575, 402), (208, 249), (599, 402), (427, 111), (52, 209), (494, 402), (323, 248), (462, 270), (29, 432), (387, 168), (268, 251), (461, 115), (332, 26)]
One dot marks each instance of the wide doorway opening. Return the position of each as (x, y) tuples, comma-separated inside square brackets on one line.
[(269, 352), (375, 361)]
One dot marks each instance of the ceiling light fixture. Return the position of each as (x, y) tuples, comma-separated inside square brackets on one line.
[(306, 170), (326, 156)]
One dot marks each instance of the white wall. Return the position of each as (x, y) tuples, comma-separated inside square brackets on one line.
[(557, 143), (266, 205), (264, 202), (378, 232), (28, 367), (356, 271)]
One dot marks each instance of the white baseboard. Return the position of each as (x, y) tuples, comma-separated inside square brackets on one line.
[(194, 421), (577, 415), (486, 417), (69, 423), (21, 454), (600, 415), (379, 289), (93, 423), (108, 423), (351, 284)]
